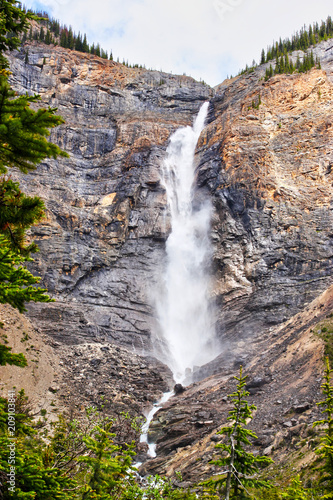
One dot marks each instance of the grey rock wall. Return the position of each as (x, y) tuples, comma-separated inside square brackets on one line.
[(267, 170)]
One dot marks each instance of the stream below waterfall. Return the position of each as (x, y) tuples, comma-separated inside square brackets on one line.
[(145, 428)]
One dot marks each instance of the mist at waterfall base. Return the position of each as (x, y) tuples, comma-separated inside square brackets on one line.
[(184, 311)]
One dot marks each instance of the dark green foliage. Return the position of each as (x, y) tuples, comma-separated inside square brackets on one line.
[(8, 358), (18, 213), (14, 21), (80, 460), (16, 282), (269, 72), (285, 65), (325, 451), (242, 466), (302, 40), (255, 105), (85, 46), (23, 131)]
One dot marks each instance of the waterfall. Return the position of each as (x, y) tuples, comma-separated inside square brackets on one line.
[(183, 308)]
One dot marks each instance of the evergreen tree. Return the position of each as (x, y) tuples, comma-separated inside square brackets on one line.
[(85, 46), (48, 38), (64, 39), (23, 131), (78, 43), (8, 358), (325, 451), (14, 21), (16, 282), (241, 464), (70, 39)]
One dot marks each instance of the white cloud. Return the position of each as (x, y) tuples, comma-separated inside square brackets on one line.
[(205, 38)]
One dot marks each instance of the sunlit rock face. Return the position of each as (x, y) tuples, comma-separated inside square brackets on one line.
[(267, 171)]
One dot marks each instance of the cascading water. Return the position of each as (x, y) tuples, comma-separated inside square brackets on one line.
[(183, 308)]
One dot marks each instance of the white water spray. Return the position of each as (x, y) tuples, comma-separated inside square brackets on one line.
[(183, 309)]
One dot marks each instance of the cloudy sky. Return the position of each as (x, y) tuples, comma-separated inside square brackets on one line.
[(207, 39)]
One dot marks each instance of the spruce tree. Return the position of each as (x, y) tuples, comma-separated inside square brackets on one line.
[(23, 132), (241, 464), (70, 39), (85, 46), (63, 39), (325, 451), (14, 22), (48, 38)]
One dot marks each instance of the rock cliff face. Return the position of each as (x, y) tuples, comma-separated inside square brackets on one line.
[(267, 170)]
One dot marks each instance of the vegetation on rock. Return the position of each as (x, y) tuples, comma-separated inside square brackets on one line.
[(51, 31), (302, 40)]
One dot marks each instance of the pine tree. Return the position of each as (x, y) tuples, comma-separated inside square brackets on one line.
[(325, 451), (16, 282), (70, 39), (48, 38), (78, 43), (14, 21), (63, 39), (23, 131), (241, 464), (85, 46)]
